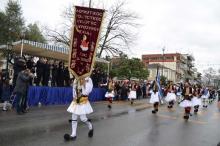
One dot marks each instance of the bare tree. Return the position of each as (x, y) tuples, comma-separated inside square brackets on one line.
[(118, 32), (209, 74), (60, 38), (61, 35)]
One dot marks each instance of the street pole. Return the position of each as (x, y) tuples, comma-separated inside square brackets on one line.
[(163, 49), (90, 3), (7, 58), (22, 47), (8, 51)]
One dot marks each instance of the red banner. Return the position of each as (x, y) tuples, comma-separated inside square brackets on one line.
[(85, 35)]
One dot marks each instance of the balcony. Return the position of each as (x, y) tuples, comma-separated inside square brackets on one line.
[(183, 66), (190, 57), (194, 69), (190, 64), (183, 59)]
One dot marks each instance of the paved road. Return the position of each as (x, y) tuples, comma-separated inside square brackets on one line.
[(137, 128)]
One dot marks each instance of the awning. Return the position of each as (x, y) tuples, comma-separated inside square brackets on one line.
[(43, 50)]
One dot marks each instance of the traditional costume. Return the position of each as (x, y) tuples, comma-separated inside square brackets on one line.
[(179, 94), (132, 94), (205, 97), (212, 96), (187, 103), (196, 100), (80, 106), (154, 99), (171, 96), (110, 93)]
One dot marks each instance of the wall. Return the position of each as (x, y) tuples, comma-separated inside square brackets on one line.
[(168, 73), (171, 65)]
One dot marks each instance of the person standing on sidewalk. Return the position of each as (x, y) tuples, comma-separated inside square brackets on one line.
[(20, 90), (80, 106), (139, 91), (6, 93), (1, 86)]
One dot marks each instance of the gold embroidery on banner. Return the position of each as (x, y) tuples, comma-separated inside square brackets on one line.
[(93, 48)]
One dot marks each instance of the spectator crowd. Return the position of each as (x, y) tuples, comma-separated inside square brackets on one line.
[(44, 72)]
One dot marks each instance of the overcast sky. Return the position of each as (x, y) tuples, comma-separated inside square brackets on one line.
[(184, 26)]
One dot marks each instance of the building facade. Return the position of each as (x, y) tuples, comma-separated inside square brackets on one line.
[(167, 72), (181, 64)]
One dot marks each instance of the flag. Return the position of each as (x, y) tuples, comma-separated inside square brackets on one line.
[(159, 86)]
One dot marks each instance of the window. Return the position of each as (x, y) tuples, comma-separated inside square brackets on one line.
[(170, 58)]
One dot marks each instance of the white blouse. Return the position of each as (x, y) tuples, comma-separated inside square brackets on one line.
[(86, 89)]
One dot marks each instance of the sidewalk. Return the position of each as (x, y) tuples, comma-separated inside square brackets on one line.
[(49, 118)]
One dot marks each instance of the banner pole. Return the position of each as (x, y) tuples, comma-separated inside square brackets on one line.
[(22, 47), (90, 2)]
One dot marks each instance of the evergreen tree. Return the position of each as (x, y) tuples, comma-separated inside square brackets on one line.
[(14, 21), (128, 68), (3, 28), (33, 33)]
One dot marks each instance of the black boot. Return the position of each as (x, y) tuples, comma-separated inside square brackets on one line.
[(195, 111), (90, 134), (109, 106), (153, 112), (67, 137), (186, 117)]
